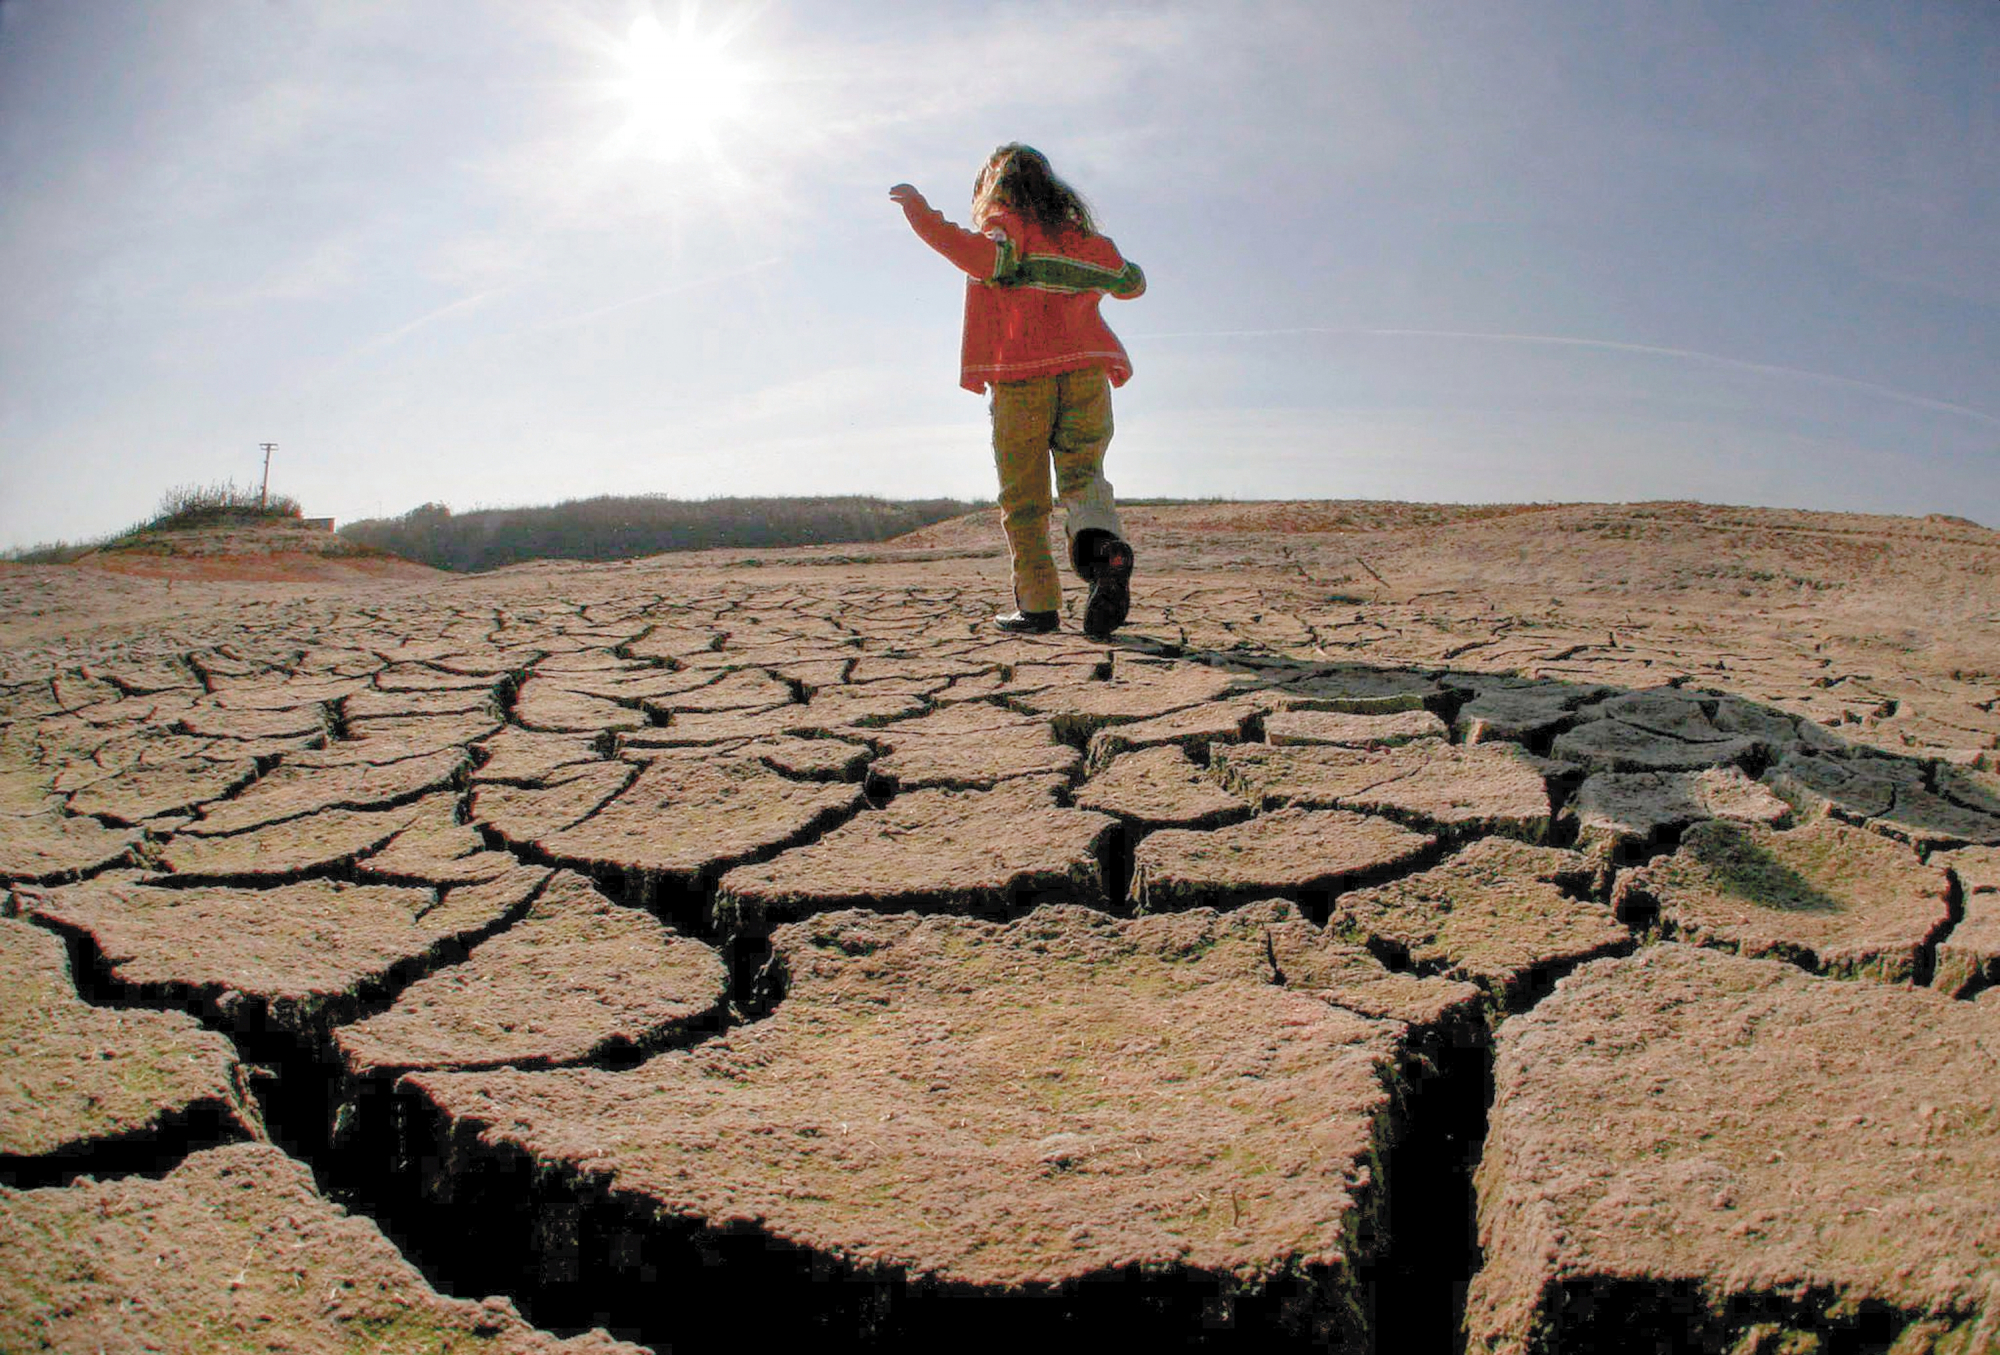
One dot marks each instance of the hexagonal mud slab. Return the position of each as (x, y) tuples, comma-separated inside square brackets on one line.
[(818, 758), (48, 847), (447, 701), (1894, 795), (298, 956), (526, 757), (1829, 896), (1486, 788), (1160, 787), (435, 846), (232, 1250), (1612, 745), (575, 978), (147, 792), (293, 791), (523, 814), (1668, 711), (1514, 711), (1632, 809), (393, 738), (916, 759), (1298, 853), (931, 850), (1357, 689), (76, 1075), (1012, 1108), (546, 705), (1502, 914), (312, 842), (1193, 729), (1729, 1154), (1137, 690), (688, 818), (1816, 785)]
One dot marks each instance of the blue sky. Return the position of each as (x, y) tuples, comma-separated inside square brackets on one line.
[(486, 252)]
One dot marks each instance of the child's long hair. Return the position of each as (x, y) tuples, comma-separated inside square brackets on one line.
[(1019, 177)]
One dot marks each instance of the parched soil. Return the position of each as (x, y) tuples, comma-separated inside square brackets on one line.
[(1719, 1151), (297, 956), (78, 1076), (1829, 896), (233, 1250), (1466, 791), (577, 978), (763, 944), (978, 851), (1019, 1107), (1501, 914), (1969, 959), (1300, 852)]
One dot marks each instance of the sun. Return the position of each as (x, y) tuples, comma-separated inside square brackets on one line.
[(680, 85)]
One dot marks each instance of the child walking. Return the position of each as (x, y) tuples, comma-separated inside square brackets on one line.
[(1033, 336)]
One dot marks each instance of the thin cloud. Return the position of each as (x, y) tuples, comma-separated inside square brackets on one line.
[(1602, 345), (401, 332), (583, 317)]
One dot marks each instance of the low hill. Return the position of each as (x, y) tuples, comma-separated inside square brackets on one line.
[(224, 533), (271, 551)]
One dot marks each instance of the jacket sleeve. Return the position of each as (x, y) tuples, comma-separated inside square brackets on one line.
[(1130, 284), (988, 258)]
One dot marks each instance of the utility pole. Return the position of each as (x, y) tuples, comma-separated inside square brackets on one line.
[(264, 494)]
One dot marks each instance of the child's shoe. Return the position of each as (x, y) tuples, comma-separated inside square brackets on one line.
[(1028, 623), (1110, 589)]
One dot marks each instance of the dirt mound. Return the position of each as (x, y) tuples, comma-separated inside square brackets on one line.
[(261, 553)]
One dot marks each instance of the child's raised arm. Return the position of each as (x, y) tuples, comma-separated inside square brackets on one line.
[(984, 257)]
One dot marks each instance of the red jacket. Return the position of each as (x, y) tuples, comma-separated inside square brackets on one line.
[(1031, 303)]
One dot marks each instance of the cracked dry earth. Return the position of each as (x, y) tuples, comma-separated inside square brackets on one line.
[(1526, 929)]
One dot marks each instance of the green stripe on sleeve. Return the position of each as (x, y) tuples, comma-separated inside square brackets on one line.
[(1055, 273)]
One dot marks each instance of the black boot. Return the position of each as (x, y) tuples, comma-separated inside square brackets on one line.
[(1110, 577)]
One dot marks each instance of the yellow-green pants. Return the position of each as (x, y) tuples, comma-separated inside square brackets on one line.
[(1065, 419)]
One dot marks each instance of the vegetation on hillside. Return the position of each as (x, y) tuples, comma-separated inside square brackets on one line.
[(186, 506), (182, 508), (619, 528)]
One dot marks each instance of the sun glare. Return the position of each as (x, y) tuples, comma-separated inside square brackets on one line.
[(681, 86)]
